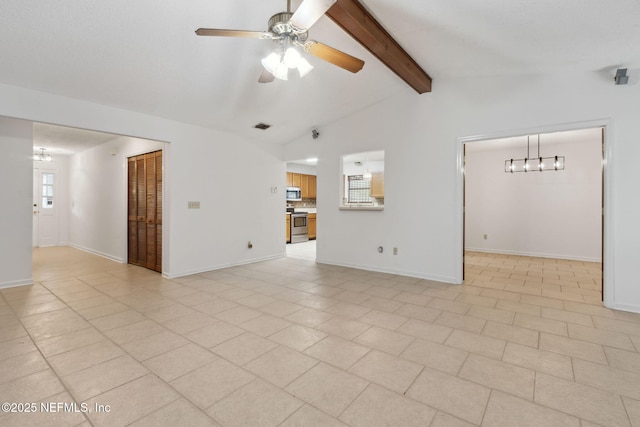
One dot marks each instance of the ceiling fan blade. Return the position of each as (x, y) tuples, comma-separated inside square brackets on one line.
[(266, 77), (334, 56), (309, 12), (233, 33)]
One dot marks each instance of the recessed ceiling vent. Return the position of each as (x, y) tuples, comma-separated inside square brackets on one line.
[(262, 126)]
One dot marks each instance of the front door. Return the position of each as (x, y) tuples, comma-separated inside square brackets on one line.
[(45, 207)]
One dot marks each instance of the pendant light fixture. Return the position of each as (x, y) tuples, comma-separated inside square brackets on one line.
[(535, 164), (42, 157)]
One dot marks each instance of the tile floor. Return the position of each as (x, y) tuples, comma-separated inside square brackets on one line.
[(525, 342)]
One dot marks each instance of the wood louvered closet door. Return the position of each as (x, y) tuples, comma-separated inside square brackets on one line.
[(145, 210)]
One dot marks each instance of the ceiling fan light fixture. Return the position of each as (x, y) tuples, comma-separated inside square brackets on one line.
[(304, 67), (292, 57), (271, 62), (281, 71)]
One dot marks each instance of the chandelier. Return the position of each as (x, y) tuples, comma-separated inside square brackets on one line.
[(533, 164), (42, 157)]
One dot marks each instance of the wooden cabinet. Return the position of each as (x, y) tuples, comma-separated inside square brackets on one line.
[(377, 185), (288, 233), (311, 225), (306, 183)]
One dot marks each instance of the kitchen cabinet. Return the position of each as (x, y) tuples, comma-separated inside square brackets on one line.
[(306, 183), (288, 233), (377, 185), (311, 225)]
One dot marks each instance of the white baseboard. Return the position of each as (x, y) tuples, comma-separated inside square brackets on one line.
[(15, 283), (220, 266), (624, 307), (418, 275), (533, 254), (94, 252)]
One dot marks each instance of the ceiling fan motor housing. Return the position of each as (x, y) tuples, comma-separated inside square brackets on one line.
[(279, 24)]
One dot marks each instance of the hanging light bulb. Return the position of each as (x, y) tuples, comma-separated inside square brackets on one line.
[(304, 67), (271, 62), (292, 57), (281, 72)]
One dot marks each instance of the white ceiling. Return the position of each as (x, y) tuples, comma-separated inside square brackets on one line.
[(143, 55)]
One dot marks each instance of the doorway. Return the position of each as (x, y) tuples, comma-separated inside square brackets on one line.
[(144, 207), (541, 215), (45, 207)]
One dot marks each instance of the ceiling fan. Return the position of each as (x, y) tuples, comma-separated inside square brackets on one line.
[(289, 31)]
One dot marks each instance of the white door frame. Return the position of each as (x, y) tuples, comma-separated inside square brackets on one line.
[(608, 282)]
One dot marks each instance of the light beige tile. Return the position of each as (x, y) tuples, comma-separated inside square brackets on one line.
[(255, 301), (345, 328), (84, 357), (243, 348), (445, 420), (450, 394), (257, 403), (540, 324), (460, 321), (32, 387), (347, 310), (330, 389), (298, 337), (103, 310), (190, 322), (542, 301), (633, 410), (134, 331), (214, 334), (102, 377), (504, 410), (438, 356), (619, 326), (567, 316), (310, 416), (383, 319), (281, 308), (518, 307), (539, 360), (477, 300), (211, 383), (117, 320), (47, 414), (621, 359), (16, 347), (384, 340), (446, 305), (180, 361), (614, 380), (153, 345), (493, 314), (377, 406), (170, 312), (418, 312), (309, 317), (599, 336), (150, 392), (21, 365), (337, 351), (238, 315), (265, 325), (475, 343), (572, 347), (510, 333), (499, 375), (281, 365), (425, 330), (178, 413), (594, 310), (580, 400), (194, 299), (388, 371)]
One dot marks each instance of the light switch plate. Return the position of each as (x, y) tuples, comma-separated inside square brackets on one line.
[(193, 205)]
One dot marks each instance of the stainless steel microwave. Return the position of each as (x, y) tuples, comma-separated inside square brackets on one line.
[(294, 194)]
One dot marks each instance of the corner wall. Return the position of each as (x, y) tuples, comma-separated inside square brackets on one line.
[(16, 198)]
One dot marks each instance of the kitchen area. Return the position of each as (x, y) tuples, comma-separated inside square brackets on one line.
[(300, 211)]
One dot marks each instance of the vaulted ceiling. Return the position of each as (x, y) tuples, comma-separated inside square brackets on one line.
[(143, 55)]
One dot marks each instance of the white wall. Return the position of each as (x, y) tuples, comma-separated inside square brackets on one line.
[(299, 168), (549, 214), (98, 196), (423, 181), (15, 201), (230, 176)]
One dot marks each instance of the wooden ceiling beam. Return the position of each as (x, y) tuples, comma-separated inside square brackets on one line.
[(353, 18)]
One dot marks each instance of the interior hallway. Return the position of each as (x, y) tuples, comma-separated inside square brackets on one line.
[(289, 342)]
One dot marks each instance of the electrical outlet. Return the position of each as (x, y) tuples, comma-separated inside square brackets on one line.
[(395, 251), (484, 236), (193, 205), (249, 244)]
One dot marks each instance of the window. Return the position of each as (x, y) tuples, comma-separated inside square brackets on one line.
[(47, 190), (363, 181)]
